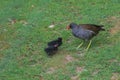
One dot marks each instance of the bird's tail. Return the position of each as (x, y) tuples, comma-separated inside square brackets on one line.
[(102, 28)]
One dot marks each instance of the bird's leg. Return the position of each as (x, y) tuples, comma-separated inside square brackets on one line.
[(89, 45), (80, 45)]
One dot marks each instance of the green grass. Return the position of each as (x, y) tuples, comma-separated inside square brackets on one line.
[(24, 33)]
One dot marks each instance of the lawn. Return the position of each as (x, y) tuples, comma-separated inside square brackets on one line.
[(24, 33)]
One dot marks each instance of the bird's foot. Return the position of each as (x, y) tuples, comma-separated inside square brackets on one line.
[(88, 45), (79, 45)]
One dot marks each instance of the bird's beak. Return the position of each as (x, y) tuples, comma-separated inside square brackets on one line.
[(68, 27)]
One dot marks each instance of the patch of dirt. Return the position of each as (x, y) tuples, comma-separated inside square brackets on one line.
[(1, 56), (12, 21), (38, 76), (4, 45), (32, 62), (75, 78), (24, 22), (111, 19), (80, 54), (68, 58), (116, 28), (50, 70), (79, 69), (115, 76), (41, 78), (21, 57), (112, 60), (95, 72)]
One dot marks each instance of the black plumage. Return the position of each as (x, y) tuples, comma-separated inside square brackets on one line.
[(50, 50), (57, 42), (53, 46)]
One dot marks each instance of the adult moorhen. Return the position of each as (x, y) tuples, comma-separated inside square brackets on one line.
[(85, 31)]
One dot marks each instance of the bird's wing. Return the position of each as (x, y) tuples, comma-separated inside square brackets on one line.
[(90, 27), (90, 31), (51, 43)]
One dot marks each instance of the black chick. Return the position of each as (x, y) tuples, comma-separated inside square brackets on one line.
[(57, 42), (50, 50), (53, 46), (85, 31)]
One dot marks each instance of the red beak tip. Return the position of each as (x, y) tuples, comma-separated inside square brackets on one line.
[(68, 27)]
